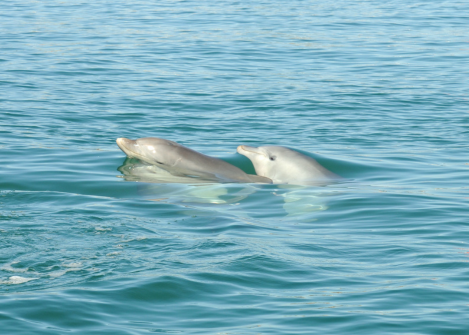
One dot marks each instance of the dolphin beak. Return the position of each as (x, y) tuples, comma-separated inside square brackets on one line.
[(244, 149), (241, 149), (126, 145), (120, 141)]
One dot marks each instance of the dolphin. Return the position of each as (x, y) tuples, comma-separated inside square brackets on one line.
[(181, 161), (286, 166)]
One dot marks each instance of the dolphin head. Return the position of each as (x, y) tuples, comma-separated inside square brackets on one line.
[(286, 166), (152, 150), (273, 162)]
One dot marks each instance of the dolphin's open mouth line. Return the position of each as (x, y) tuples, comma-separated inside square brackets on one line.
[(137, 155), (127, 150), (254, 152), (133, 153)]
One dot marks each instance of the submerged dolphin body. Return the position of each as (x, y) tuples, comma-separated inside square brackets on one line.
[(181, 161), (285, 166)]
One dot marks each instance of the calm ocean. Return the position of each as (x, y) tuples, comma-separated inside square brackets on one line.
[(376, 91)]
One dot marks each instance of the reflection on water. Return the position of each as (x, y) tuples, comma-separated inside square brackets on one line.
[(135, 170), (164, 185), (160, 185), (302, 200)]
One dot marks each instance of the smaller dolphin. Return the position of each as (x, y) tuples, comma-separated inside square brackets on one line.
[(287, 166), (182, 161)]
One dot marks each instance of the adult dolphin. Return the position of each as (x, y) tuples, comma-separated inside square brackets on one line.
[(286, 166), (182, 161)]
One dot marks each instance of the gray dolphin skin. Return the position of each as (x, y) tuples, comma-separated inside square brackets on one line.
[(182, 161), (286, 166)]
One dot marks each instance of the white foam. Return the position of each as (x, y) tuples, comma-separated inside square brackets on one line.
[(13, 280), (8, 267)]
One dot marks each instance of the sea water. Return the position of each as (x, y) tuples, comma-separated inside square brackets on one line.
[(376, 91)]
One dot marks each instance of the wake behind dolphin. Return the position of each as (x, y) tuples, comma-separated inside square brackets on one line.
[(181, 161)]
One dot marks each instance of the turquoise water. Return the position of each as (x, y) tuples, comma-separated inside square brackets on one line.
[(375, 91)]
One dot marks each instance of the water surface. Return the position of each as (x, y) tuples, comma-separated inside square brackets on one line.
[(376, 92)]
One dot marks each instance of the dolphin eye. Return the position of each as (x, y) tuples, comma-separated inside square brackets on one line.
[(272, 158)]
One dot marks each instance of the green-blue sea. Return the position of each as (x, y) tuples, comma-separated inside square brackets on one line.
[(376, 91)]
